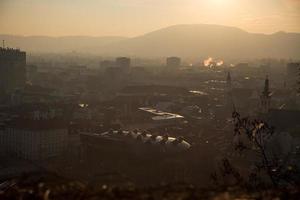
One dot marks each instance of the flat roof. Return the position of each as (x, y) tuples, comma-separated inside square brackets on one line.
[(161, 115)]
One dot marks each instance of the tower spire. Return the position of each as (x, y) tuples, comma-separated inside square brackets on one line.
[(228, 80), (229, 98), (267, 87), (265, 97), (228, 76)]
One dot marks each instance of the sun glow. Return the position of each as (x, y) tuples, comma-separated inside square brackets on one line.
[(219, 5), (224, 4), (119, 17), (219, 1)]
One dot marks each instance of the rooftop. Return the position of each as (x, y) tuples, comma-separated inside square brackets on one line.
[(10, 51), (160, 115), (144, 138)]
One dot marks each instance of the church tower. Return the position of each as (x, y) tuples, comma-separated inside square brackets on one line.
[(265, 97), (228, 82), (228, 91)]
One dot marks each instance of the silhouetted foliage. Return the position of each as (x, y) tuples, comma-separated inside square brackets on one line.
[(259, 133)]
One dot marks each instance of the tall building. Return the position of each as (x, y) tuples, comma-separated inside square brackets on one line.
[(265, 97), (173, 62), (12, 68), (123, 62)]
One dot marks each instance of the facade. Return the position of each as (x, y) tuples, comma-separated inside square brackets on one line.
[(173, 62), (12, 69), (3, 143), (34, 139)]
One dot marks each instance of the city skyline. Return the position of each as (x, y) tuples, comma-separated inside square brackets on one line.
[(136, 17)]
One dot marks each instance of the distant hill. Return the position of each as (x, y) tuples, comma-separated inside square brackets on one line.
[(58, 44), (210, 40), (199, 40)]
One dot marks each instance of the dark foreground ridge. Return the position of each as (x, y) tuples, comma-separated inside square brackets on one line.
[(53, 187)]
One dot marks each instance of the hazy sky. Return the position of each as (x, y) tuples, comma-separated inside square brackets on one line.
[(135, 17)]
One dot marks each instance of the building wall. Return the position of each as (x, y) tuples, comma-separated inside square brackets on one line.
[(34, 144), (3, 144), (12, 68)]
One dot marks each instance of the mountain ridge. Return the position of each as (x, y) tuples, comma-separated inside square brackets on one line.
[(185, 40)]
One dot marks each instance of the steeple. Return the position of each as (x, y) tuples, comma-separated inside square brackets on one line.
[(228, 77), (228, 81), (265, 97), (266, 91), (228, 90)]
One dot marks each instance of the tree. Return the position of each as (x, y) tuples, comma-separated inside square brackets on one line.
[(258, 133)]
